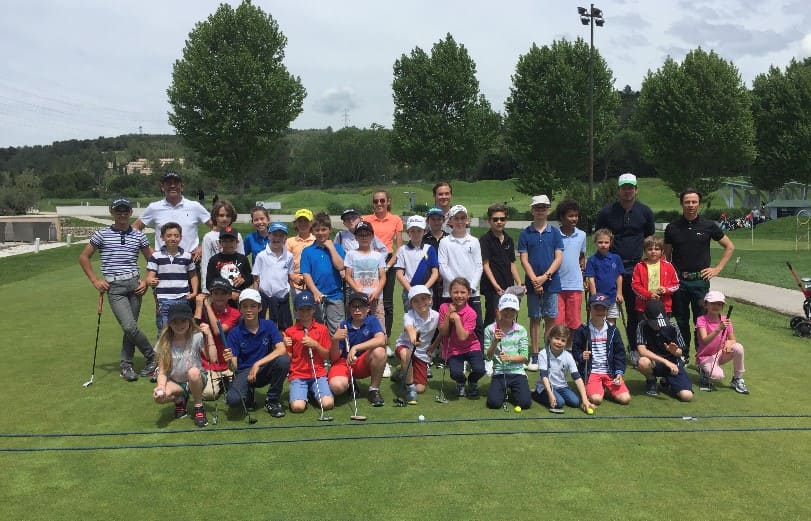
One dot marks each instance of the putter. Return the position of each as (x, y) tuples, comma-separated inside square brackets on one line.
[(400, 401), (95, 349), (710, 385), (504, 374), (321, 418), (215, 418), (250, 419), (355, 417), (622, 316), (440, 398)]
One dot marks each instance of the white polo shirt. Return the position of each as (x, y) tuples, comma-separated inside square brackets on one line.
[(187, 213), (460, 257)]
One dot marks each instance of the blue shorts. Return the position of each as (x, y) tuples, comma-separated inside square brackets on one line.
[(301, 386), (678, 382), (544, 305)]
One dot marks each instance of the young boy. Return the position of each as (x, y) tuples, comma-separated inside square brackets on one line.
[(597, 347), (224, 215), (296, 244), (213, 309), (541, 251), (661, 347), (507, 345), (346, 238), (171, 273), (273, 275), (255, 351), (308, 344), (419, 327), (321, 265), (460, 255), (366, 269), (119, 245), (417, 263), (230, 265), (654, 278), (498, 261), (359, 342), (603, 275), (570, 298), (554, 362)]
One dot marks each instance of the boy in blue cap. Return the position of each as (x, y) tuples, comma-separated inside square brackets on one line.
[(273, 274)]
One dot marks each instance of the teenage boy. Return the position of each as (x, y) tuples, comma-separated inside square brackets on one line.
[(273, 275), (213, 309), (302, 220), (540, 248), (230, 265), (498, 261), (171, 273), (435, 220), (570, 298), (359, 342), (460, 255), (366, 269), (661, 348), (119, 245), (417, 263), (257, 355), (321, 265)]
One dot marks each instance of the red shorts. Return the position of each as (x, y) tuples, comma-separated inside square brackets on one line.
[(599, 381), (360, 369), (418, 367), (570, 312)]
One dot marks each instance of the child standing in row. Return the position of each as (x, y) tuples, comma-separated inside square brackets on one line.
[(508, 347), (273, 276), (346, 238), (717, 345), (603, 275), (302, 220), (230, 265), (256, 241), (366, 269), (498, 261), (654, 278), (457, 326), (417, 263), (554, 362), (420, 323), (434, 233), (321, 265), (224, 215), (570, 298)]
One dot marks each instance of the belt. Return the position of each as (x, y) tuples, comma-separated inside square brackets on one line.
[(125, 276), (691, 275)]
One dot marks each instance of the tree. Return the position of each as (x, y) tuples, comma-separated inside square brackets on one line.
[(547, 114), (782, 113), (696, 121), (18, 192), (231, 95), (440, 119)]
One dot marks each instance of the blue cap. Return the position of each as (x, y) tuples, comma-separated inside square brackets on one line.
[(121, 201), (277, 227), (305, 299), (600, 299), (434, 211)]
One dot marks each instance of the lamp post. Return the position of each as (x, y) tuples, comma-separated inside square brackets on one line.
[(591, 17)]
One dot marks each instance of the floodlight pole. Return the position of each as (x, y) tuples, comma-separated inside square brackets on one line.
[(587, 17)]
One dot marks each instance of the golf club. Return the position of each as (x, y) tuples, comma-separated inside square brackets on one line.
[(250, 419), (711, 386), (321, 418), (400, 401), (622, 316), (215, 418), (95, 349), (355, 417), (504, 374), (440, 398)]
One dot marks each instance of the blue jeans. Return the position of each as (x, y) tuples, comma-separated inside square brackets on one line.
[(563, 395)]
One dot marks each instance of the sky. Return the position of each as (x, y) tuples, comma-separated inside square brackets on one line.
[(80, 70)]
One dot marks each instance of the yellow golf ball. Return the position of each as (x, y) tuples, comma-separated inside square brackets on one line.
[(517, 408), (589, 411)]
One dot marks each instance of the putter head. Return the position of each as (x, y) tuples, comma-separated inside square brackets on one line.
[(556, 410), (399, 402), (440, 399), (504, 406), (251, 420), (325, 418), (88, 383), (357, 418)]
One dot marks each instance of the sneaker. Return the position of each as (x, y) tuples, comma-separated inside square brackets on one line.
[(180, 408), (149, 368), (389, 352), (704, 381), (440, 363), (488, 367), (650, 388), (460, 390), (739, 386), (128, 374), (375, 398), (411, 395), (154, 377), (387, 371), (429, 373), (275, 409), (473, 390), (200, 416), (533, 362), (633, 357)]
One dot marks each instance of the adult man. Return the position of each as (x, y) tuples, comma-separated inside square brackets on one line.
[(630, 221), (687, 246), (176, 208)]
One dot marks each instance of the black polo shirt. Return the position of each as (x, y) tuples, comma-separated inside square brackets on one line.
[(690, 241), (501, 255), (629, 228)]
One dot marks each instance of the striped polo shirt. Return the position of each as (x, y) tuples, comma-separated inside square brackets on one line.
[(173, 273), (118, 249)]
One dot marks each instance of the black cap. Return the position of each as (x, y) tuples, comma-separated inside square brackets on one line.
[(171, 176), (181, 310), (228, 232), (220, 283), (363, 225), (348, 212), (655, 314), (363, 297)]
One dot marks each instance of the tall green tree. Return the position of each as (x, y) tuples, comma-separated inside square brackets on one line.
[(782, 112), (696, 121), (547, 114), (440, 119), (231, 95)]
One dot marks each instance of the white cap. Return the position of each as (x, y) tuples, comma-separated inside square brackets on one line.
[(418, 289), (457, 209), (250, 294), (508, 300), (714, 296), (627, 179), (415, 221), (540, 199)]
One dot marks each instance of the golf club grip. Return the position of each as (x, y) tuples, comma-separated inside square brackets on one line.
[(101, 303), (729, 312)]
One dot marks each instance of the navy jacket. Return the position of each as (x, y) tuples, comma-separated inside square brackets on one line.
[(616, 350)]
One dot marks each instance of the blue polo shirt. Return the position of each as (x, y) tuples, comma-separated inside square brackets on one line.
[(540, 248), (605, 269), (358, 335), (255, 244), (316, 261), (250, 347)]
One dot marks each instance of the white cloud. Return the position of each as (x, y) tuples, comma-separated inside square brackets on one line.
[(805, 46)]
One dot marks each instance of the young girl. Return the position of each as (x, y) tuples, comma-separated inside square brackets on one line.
[(224, 214), (457, 325), (508, 346), (179, 358), (717, 345), (257, 240), (552, 389)]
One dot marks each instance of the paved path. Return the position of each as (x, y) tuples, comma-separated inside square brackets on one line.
[(782, 300)]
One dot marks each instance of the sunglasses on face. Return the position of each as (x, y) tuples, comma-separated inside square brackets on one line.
[(378, 201), (540, 207), (498, 219)]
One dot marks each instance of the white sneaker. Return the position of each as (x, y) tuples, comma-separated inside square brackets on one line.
[(533, 362), (488, 367), (387, 371), (389, 352), (633, 357)]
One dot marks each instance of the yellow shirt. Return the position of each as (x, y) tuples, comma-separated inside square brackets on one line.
[(295, 245), (654, 278)]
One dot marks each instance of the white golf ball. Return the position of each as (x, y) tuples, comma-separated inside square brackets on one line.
[(421, 418)]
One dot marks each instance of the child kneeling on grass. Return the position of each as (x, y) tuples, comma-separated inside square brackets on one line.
[(661, 347), (179, 357), (511, 340), (419, 327), (553, 364), (717, 345)]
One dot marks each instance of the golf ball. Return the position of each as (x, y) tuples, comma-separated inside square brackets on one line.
[(589, 411), (517, 408), (159, 392), (421, 418)]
